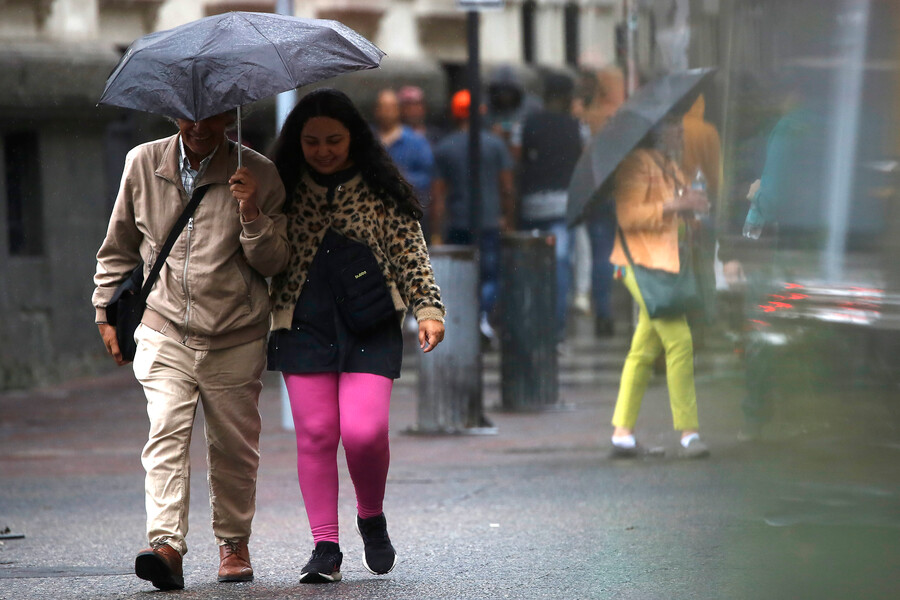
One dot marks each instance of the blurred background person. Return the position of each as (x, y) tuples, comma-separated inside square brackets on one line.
[(452, 212), (702, 165), (508, 104), (786, 187), (581, 245), (414, 114), (598, 96), (702, 147), (409, 150), (550, 147)]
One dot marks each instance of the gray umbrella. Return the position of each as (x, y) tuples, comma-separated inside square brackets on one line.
[(213, 65), (634, 119)]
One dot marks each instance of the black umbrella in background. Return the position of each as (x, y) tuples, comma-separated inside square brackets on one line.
[(634, 119), (219, 63)]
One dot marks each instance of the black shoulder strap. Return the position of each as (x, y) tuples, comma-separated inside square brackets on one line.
[(625, 246), (170, 241)]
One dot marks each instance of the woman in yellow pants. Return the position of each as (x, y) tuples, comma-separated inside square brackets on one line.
[(650, 194)]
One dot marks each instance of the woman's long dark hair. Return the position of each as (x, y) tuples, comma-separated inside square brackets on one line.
[(367, 153)]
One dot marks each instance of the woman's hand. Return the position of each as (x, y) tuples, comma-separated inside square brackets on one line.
[(431, 333), (243, 188), (690, 199), (108, 333)]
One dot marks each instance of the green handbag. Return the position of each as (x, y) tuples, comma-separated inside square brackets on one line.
[(666, 294)]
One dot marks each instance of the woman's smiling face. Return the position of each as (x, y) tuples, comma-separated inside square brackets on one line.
[(326, 145)]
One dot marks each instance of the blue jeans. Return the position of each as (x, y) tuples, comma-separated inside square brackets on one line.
[(489, 267), (602, 233), (564, 247)]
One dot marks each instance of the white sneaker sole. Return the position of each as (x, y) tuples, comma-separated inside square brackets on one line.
[(320, 577), (365, 564), (369, 569)]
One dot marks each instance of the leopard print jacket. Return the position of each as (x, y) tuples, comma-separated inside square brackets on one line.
[(356, 212)]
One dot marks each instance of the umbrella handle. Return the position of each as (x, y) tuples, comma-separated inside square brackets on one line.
[(240, 162)]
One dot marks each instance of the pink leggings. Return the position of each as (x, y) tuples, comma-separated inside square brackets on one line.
[(333, 407)]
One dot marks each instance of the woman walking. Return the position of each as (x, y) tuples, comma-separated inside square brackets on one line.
[(358, 262), (651, 193)]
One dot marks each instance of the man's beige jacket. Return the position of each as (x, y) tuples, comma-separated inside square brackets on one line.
[(212, 291)]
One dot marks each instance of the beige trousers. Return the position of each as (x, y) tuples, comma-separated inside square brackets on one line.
[(227, 382)]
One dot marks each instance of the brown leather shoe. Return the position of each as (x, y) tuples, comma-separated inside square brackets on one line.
[(234, 562), (161, 566)]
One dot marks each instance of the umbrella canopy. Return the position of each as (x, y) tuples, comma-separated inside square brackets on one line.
[(634, 119), (213, 65)]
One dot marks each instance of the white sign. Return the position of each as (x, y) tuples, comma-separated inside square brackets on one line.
[(480, 4)]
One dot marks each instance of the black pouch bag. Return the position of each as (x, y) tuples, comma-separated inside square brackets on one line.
[(125, 310), (126, 307), (360, 291)]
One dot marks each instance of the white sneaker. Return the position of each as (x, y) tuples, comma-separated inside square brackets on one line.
[(582, 303), (486, 329), (694, 449)]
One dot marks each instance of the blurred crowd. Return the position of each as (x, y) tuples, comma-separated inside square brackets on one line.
[(529, 147)]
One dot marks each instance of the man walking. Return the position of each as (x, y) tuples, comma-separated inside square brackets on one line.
[(202, 336), (550, 148), (450, 196)]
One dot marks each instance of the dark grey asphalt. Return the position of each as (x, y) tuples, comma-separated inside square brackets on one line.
[(537, 511)]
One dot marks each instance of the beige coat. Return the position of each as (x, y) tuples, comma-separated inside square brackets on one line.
[(212, 291)]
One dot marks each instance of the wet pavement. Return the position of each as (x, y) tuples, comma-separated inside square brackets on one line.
[(536, 511)]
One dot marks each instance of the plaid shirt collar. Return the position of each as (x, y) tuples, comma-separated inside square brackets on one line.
[(189, 176)]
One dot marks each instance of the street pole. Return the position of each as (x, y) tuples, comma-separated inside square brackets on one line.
[(631, 23), (474, 76), (631, 82), (284, 103), (451, 381)]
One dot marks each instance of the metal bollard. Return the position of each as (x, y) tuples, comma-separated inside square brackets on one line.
[(450, 378), (529, 363)]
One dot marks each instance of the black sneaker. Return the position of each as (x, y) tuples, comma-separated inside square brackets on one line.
[(324, 565), (379, 556)]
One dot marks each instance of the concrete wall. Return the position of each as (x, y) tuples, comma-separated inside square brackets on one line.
[(47, 330)]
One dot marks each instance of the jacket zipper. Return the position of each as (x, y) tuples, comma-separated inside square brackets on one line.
[(184, 279)]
